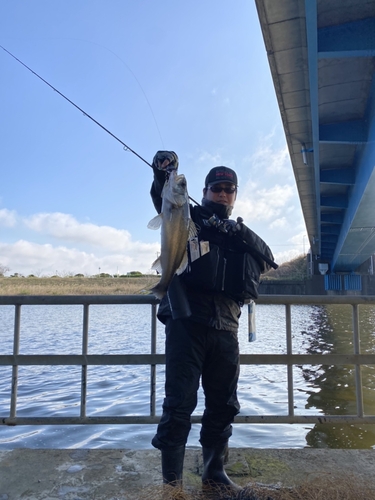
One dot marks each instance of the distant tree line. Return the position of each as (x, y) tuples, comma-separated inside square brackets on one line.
[(295, 269), (131, 274)]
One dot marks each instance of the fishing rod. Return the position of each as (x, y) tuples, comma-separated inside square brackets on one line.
[(126, 147)]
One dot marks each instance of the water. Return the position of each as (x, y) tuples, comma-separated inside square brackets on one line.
[(120, 390)]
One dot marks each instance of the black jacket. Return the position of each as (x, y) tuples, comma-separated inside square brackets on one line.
[(215, 295)]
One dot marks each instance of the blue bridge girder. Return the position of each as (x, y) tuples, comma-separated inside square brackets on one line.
[(322, 59)]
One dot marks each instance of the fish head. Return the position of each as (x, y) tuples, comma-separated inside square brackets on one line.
[(175, 189), (180, 186)]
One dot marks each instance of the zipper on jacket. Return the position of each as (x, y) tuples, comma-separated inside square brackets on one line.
[(224, 269)]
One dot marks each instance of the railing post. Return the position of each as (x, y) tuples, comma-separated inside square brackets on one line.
[(16, 351), (153, 367), (85, 342), (358, 369), (288, 321)]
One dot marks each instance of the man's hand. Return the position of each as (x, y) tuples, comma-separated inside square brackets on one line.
[(165, 160), (232, 226)]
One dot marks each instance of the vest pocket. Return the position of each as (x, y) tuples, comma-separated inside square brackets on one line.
[(206, 271), (242, 275), (234, 273)]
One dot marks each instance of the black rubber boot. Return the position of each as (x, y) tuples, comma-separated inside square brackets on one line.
[(172, 463), (214, 475)]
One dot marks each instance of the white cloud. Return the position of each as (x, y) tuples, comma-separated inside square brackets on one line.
[(206, 158), (99, 246), (287, 255), (25, 257), (65, 227), (301, 241), (269, 160), (279, 223), (8, 218), (261, 204), (298, 245)]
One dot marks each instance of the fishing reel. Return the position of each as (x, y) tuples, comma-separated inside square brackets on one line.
[(224, 226), (217, 223)]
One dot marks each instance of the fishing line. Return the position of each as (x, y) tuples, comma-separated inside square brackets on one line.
[(136, 79), (126, 147), (130, 71)]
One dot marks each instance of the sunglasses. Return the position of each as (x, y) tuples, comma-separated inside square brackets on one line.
[(218, 189)]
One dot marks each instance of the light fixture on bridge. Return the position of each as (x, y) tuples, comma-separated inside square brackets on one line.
[(304, 151), (323, 268)]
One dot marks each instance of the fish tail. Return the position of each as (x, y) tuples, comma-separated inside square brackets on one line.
[(159, 291)]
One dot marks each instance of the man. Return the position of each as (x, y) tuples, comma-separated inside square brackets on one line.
[(223, 272)]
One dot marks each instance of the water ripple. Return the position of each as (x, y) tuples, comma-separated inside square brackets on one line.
[(124, 390)]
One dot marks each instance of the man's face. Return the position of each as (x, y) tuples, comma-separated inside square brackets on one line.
[(223, 192)]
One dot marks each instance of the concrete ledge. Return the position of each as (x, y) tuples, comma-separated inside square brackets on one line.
[(124, 474)]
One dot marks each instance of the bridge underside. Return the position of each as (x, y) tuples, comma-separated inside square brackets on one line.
[(322, 59)]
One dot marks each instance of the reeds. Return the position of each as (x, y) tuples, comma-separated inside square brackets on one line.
[(76, 286)]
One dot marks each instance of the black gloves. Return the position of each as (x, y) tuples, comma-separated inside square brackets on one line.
[(165, 160), (163, 164), (233, 226)]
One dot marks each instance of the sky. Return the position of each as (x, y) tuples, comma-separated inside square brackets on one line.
[(191, 77)]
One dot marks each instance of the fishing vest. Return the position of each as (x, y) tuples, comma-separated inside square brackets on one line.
[(218, 262)]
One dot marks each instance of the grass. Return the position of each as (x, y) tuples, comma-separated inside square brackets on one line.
[(76, 286)]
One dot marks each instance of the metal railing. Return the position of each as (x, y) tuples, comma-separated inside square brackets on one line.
[(153, 359)]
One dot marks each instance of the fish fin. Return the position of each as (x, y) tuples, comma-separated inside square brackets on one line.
[(155, 223), (144, 291), (183, 264), (192, 230), (156, 265)]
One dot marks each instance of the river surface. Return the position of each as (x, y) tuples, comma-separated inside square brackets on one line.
[(124, 390)]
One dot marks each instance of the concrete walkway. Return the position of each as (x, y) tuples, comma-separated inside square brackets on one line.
[(129, 475)]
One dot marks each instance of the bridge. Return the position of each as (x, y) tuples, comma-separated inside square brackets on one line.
[(322, 59)]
